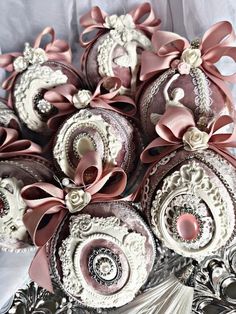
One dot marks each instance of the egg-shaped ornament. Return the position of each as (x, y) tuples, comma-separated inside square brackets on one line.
[(19, 166), (35, 71), (102, 256), (185, 75), (101, 122), (116, 48), (188, 193)]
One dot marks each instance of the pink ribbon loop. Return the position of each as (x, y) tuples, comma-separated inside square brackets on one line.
[(56, 50), (150, 24), (143, 18), (11, 146), (102, 178), (62, 98), (171, 131), (216, 43), (92, 21), (111, 99)]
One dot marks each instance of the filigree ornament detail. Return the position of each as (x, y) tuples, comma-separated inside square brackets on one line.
[(129, 39), (12, 208), (123, 274), (36, 78), (81, 121), (192, 181)]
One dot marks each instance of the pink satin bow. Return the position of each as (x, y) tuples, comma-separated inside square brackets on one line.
[(11, 146), (61, 97), (47, 207), (94, 20), (56, 50), (173, 125), (216, 43)]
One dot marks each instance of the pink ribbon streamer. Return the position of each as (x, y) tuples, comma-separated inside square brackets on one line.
[(175, 122), (216, 43), (61, 97), (94, 21), (56, 50), (11, 146), (47, 207)]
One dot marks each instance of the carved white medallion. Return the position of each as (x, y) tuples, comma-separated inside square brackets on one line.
[(122, 34), (103, 262), (6, 115), (12, 208), (36, 78), (190, 215), (82, 133)]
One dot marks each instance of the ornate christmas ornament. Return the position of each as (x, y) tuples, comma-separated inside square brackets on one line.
[(116, 49), (35, 71), (15, 173), (117, 141), (186, 77), (188, 193), (105, 256)]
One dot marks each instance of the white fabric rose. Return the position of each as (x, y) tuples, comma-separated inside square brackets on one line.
[(77, 199), (194, 139), (127, 21), (119, 22), (82, 98), (20, 64), (30, 56), (192, 57), (39, 56)]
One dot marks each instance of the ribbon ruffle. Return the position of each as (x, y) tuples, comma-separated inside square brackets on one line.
[(61, 97), (47, 207), (170, 131), (216, 43), (11, 146)]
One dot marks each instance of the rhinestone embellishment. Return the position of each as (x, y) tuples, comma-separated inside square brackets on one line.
[(4, 206), (104, 266)]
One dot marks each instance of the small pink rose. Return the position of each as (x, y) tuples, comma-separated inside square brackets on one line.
[(174, 64), (183, 68)]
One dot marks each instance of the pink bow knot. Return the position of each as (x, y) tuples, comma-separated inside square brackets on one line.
[(173, 135), (67, 99), (170, 49)]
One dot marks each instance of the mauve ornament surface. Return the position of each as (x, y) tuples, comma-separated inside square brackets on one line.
[(15, 173), (194, 91), (116, 139), (197, 187), (116, 53), (30, 87), (106, 250)]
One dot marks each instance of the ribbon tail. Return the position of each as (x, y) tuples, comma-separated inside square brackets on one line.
[(39, 270), (152, 64), (9, 82)]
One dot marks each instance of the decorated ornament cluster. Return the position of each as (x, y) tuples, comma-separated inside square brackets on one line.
[(101, 167)]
